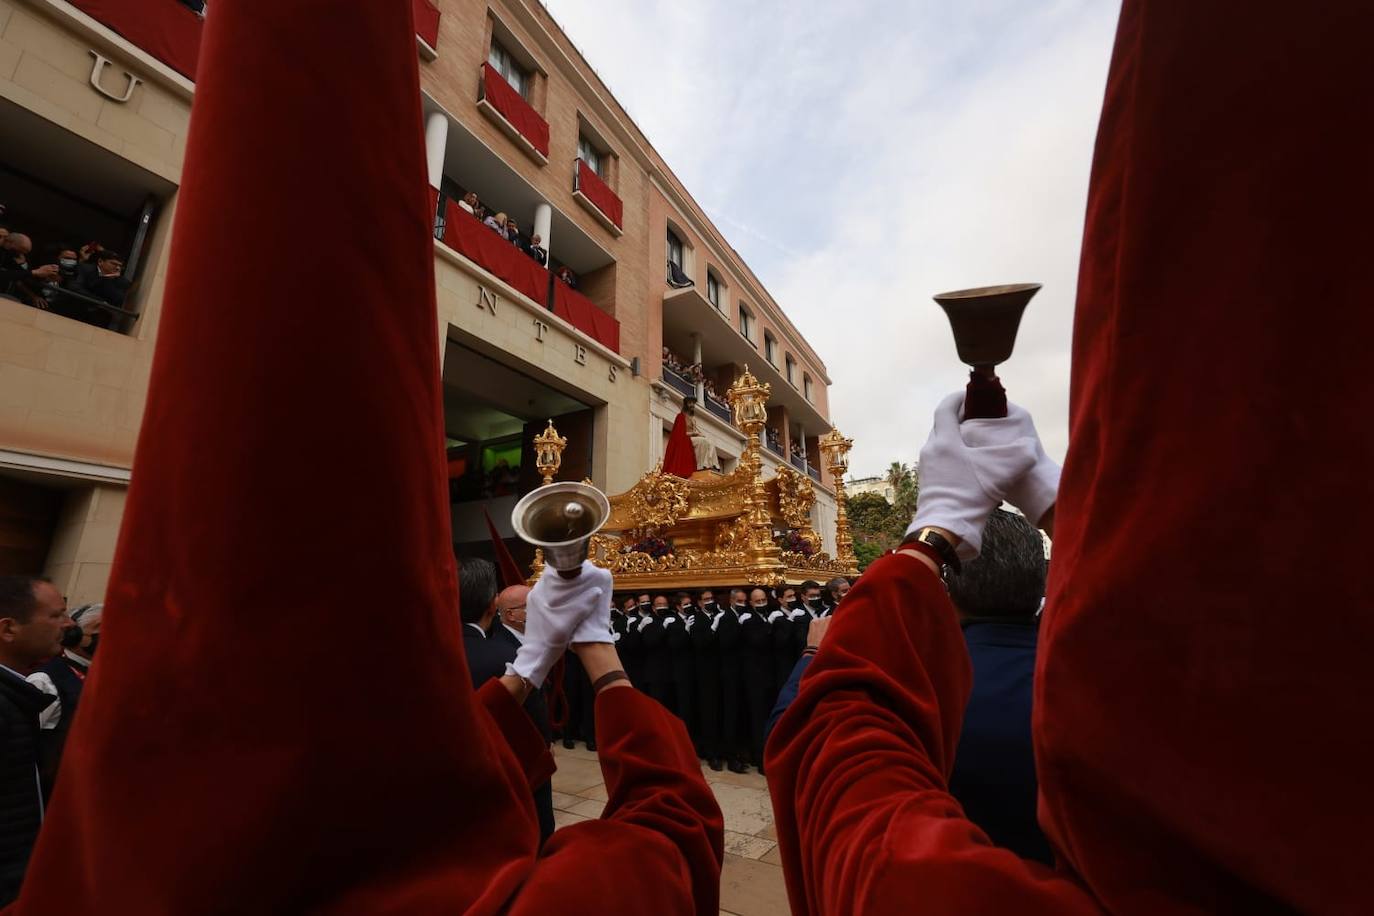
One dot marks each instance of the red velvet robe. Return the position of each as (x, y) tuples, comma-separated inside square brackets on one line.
[(1203, 678), (679, 458), (281, 719)]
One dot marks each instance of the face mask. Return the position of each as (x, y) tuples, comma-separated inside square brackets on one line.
[(66, 263), (794, 604), (708, 604), (90, 649), (72, 636), (815, 604), (644, 604)]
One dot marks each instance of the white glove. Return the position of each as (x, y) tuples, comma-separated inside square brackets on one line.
[(775, 615), (560, 611), (967, 469), (51, 714), (1035, 492)]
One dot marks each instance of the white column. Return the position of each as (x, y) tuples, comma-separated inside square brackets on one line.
[(696, 358), (436, 143), (801, 438), (543, 225)]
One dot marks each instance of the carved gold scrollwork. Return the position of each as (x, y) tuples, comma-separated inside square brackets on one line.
[(795, 498), (658, 501)]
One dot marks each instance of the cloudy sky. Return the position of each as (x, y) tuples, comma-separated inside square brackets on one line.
[(866, 154)]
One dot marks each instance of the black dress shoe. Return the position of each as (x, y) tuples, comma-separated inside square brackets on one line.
[(737, 766), (716, 764), (591, 745), (569, 743)]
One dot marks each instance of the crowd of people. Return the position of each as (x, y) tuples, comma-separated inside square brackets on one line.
[(508, 227), (693, 372), (716, 658), (90, 270)]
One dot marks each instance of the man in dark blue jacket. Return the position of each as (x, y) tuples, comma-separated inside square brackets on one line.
[(998, 596)]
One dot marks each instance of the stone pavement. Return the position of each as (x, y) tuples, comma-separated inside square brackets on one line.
[(751, 881)]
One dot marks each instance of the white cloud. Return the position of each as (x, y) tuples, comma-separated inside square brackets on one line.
[(863, 156)]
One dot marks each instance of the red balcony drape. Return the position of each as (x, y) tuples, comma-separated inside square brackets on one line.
[(585, 315), (598, 192), (515, 109), (476, 242), (164, 28), (426, 21)]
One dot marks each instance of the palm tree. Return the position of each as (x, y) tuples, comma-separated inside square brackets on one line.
[(897, 476)]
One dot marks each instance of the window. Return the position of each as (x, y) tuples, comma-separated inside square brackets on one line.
[(806, 386), (713, 289), (791, 370), (501, 60), (588, 154), (674, 250), (770, 348), (746, 322)]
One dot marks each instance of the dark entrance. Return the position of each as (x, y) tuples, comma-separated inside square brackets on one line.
[(492, 412)]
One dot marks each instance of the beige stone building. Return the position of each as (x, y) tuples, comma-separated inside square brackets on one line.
[(94, 109)]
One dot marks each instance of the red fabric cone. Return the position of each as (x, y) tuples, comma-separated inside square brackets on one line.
[(250, 739), (679, 459), (505, 563)]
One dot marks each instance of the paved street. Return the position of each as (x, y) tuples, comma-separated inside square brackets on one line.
[(751, 882)]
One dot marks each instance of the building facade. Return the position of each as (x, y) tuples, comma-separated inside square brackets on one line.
[(94, 109)]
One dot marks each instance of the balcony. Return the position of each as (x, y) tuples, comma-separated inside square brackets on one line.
[(426, 27), (679, 383), (814, 472), (688, 314), (596, 197), (508, 110), (474, 241), (719, 409), (170, 31)]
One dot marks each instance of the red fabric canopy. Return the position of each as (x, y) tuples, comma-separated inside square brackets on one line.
[(426, 21), (479, 243), (585, 315), (598, 192), (679, 458), (164, 28), (515, 109)]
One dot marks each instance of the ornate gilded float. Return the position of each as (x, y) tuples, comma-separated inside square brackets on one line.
[(714, 529)]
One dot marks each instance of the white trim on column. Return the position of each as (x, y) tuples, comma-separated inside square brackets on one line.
[(62, 467)]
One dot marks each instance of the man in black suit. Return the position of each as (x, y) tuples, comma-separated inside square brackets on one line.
[(104, 279), (33, 617), (488, 655)]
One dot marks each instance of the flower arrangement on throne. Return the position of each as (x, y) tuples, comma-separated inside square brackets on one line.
[(794, 541), (652, 545)]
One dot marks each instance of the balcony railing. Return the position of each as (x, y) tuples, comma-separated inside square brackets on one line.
[(512, 113), (774, 446), (597, 197), (720, 409), (797, 463), (814, 472), (679, 382)]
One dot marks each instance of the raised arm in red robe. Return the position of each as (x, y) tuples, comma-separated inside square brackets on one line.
[(281, 719), (1205, 647)]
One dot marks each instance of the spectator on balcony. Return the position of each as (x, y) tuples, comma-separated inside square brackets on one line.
[(469, 203), (15, 254), (567, 276), (512, 233), (102, 280), (89, 251), (536, 250), (496, 223), (797, 451), (479, 211)]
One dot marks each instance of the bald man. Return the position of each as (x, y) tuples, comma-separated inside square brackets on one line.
[(510, 632)]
